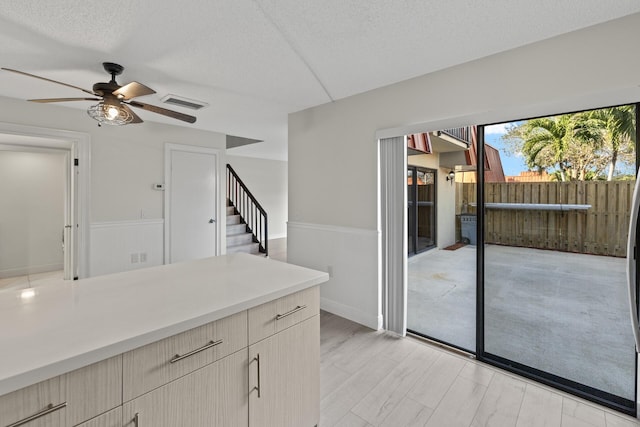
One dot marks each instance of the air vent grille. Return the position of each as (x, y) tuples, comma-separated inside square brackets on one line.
[(184, 102)]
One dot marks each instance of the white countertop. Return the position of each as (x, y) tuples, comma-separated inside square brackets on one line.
[(66, 327)]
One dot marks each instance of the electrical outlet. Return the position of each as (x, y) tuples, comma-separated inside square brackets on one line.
[(135, 258), (143, 257)]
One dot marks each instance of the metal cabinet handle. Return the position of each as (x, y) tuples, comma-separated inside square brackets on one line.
[(178, 357), (135, 419), (290, 312), (50, 408), (257, 359)]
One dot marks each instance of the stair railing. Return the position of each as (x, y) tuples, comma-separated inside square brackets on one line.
[(251, 212)]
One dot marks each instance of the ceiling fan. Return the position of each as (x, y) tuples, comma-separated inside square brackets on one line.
[(114, 100)]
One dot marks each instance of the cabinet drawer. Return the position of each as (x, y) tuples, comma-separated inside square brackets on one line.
[(158, 363), (67, 399), (44, 403), (275, 316)]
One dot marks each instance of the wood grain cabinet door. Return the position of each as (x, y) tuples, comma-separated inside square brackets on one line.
[(215, 395), (284, 377)]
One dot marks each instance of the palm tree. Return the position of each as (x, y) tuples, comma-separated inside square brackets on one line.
[(545, 142), (580, 146), (618, 131)]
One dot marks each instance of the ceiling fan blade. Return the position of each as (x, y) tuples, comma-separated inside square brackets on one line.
[(49, 80), (136, 118), (132, 90), (169, 113), (45, 100)]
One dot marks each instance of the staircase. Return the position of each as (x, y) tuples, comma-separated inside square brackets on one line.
[(247, 224), (238, 238)]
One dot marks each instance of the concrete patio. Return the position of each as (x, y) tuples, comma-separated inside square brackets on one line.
[(559, 312)]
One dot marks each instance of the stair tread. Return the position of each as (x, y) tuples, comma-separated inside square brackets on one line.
[(251, 248), (242, 244), (240, 238)]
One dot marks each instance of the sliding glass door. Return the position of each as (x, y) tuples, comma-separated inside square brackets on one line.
[(554, 290), (532, 277)]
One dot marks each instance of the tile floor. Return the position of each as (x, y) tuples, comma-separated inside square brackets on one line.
[(31, 280), (374, 378)]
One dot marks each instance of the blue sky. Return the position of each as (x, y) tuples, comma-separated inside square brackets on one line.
[(511, 164)]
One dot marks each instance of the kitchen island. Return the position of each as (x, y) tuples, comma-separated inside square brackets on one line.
[(142, 339)]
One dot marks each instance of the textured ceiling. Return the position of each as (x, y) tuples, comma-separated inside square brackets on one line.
[(255, 61)]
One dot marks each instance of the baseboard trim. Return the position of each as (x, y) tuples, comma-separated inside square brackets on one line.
[(23, 271), (351, 313)]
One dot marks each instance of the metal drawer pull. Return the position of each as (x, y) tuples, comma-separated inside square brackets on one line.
[(178, 357), (257, 359), (50, 408), (290, 312)]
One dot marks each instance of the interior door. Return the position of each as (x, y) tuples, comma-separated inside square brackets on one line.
[(193, 206)]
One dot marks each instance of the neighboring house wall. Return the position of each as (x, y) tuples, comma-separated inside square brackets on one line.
[(267, 181), (530, 176), (333, 196), (32, 192), (445, 199), (126, 213)]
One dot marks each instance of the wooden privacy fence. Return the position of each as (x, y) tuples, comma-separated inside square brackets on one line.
[(600, 230)]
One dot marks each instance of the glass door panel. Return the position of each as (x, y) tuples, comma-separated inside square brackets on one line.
[(555, 304), (441, 303)]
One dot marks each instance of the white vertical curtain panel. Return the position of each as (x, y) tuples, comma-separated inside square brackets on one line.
[(393, 221)]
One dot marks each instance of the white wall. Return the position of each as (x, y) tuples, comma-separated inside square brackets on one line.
[(267, 181), (333, 149), (32, 192), (125, 162), (114, 243)]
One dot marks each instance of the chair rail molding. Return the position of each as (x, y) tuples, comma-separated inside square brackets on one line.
[(351, 257)]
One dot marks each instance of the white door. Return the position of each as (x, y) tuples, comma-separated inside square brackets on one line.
[(192, 205)]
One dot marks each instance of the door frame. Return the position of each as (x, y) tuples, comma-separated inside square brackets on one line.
[(78, 185), (168, 149), (390, 241)]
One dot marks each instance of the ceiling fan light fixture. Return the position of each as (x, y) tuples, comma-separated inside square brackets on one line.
[(110, 114), (115, 101)]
